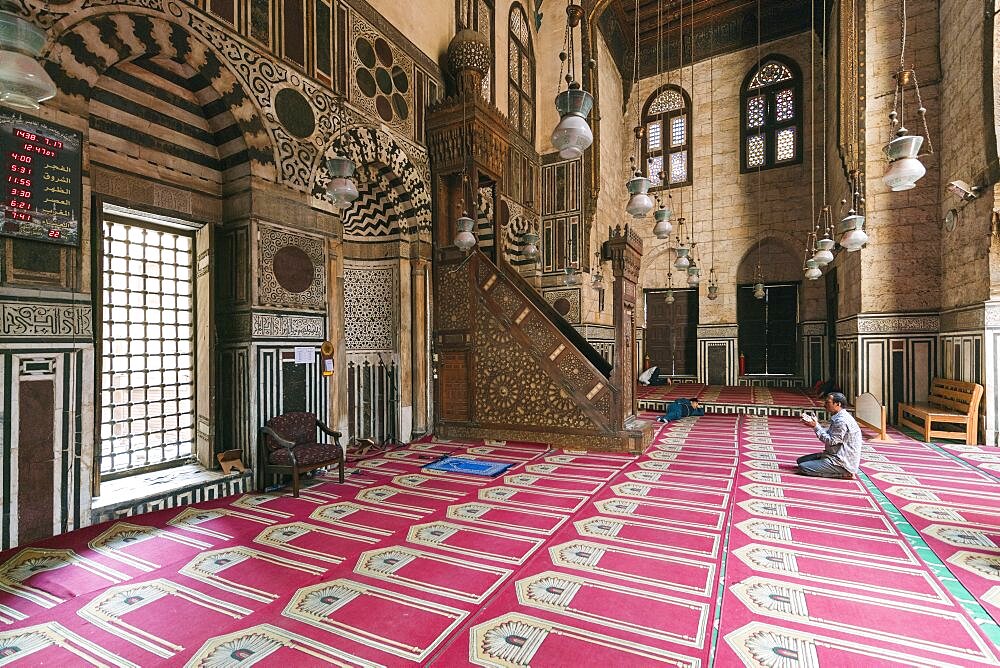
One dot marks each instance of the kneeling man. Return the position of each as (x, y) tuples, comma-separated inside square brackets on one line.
[(841, 454)]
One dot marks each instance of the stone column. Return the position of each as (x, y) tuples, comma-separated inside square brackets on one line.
[(419, 345)]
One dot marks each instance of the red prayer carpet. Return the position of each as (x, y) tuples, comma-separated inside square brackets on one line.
[(567, 559)]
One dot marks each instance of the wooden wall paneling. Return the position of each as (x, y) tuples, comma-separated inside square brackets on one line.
[(224, 9), (35, 263), (204, 322), (455, 401)]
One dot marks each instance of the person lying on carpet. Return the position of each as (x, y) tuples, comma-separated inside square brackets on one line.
[(841, 454), (681, 408)]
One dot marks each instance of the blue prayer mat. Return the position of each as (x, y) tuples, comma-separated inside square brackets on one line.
[(468, 466)]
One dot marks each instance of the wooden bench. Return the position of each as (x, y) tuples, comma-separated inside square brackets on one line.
[(952, 402)]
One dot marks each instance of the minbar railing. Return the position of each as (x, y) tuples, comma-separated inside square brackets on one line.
[(508, 367)]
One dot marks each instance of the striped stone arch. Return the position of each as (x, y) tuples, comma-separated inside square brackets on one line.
[(88, 48), (394, 196)]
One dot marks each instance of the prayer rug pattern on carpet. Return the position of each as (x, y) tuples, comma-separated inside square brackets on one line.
[(567, 558)]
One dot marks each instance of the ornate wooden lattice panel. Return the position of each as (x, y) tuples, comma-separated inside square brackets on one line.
[(511, 388), (453, 379)]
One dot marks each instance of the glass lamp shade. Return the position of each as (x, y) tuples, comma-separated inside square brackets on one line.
[(530, 248), (905, 169), (824, 251), (713, 292), (342, 191), (853, 240), (758, 291), (341, 188), (812, 270), (852, 232), (571, 277), (663, 228), (23, 82), (669, 298), (903, 174), (694, 276), (639, 205), (465, 239), (682, 262), (573, 135)]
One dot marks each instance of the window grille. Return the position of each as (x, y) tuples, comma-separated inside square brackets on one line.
[(147, 353), (521, 74), (667, 149), (771, 114)]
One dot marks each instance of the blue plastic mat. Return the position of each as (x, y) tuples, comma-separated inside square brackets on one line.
[(468, 466)]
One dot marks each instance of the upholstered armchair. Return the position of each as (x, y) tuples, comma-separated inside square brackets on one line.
[(289, 444)]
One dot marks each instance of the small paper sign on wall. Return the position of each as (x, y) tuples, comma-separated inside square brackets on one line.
[(305, 354)]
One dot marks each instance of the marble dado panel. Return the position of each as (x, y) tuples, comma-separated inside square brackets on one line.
[(245, 326), (902, 323), (812, 328), (960, 320), (597, 332), (21, 319), (991, 315), (718, 331), (272, 326)]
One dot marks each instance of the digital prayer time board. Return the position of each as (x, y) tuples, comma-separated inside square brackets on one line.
[(41, 180)]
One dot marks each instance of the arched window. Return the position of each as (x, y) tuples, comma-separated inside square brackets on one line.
[(771, 115), (666, 151), (521, 74)]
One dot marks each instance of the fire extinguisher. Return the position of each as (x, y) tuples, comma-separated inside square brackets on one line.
[(326, 358), (743, 365)]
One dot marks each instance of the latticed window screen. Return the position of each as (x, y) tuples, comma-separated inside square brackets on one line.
[(755, 150), (771, 115), (667, 148), (755, 111), (147, 358), (521, 73)]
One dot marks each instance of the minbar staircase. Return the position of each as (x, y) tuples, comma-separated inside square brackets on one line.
[(508, 367)]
